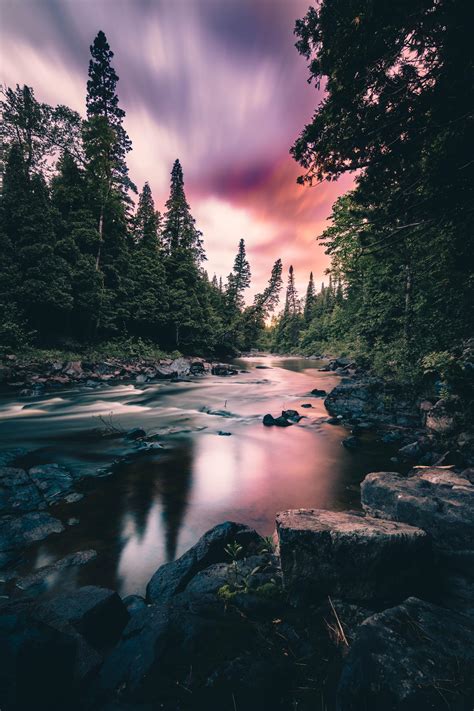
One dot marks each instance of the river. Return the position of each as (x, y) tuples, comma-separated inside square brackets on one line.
[(153, 507)]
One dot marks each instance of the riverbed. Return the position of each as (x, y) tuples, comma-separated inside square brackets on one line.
[(217, 462)]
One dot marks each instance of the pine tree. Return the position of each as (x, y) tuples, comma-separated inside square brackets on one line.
[(238, 281), (310, 299), (189, 320), (148, 297), (44, 292), (289, 325), (179, 229)]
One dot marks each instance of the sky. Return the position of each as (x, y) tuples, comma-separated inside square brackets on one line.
[(215, 83)]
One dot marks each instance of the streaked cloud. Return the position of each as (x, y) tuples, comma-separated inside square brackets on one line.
[(217, 83)]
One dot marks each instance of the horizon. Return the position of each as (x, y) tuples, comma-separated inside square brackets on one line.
[(240, 180)]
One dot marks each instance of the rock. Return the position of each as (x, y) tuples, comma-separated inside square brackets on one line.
[(40, 578), (180, 366), (98, 614), (197, 368), (292, 415), (223, 370), (268, 420), (351, 442), (410, 451), (445, 417), (306, 404), (21, 531), (141, 378), (333, 421), (9, 456), (263, 367), (375, 400), (18, 493), (437, 500), (73, 368), (282, 422), (350, 556), (413, 656), (37, 667), (318, 393), (53, 481), (172, 578), (224, 434), (134, 604)]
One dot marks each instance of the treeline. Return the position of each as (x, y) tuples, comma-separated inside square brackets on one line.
[(398, 113), (80, 263)]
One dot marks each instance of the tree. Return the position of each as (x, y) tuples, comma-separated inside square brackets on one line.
[(254, 317), (146, 222), (179, 229), (239, 279), (310, 299), (289, 325), (39, 130), (43, 293)]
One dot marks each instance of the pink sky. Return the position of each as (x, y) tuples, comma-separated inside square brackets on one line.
[(215, 83)]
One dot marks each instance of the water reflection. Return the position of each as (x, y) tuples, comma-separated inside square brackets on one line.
[(154, 507)]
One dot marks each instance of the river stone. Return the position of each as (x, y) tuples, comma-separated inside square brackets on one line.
[(350, 556), (437, 500), (18, 493), (98, 614), (53, 481), (445, 417), (172, 578), (21, 531), (411, 657)]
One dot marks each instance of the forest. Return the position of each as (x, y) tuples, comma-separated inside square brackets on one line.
[(87, 261)]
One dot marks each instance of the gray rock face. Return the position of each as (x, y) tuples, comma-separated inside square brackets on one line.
[(21, 531), (440, 502), (372, 398), (408, 658), (350, 556), (437, 500), (98, 614), (172, 578)]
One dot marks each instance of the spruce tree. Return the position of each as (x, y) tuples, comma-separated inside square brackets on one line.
[(310, 299), (179, 226), (238, 281)]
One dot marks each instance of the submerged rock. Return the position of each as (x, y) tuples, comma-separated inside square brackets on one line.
[(413, 656), (350, 556), (18, 493), (53, 481), (318, 393), (172, 578), (223, 369), (292, 415), (21, 531)]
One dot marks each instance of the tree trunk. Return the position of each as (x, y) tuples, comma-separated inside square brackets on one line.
[(101, 233)]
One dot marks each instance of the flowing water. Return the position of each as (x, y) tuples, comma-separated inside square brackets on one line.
[(157, 505)]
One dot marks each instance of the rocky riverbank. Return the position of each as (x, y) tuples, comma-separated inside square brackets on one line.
[(370, 610), (33, 376)]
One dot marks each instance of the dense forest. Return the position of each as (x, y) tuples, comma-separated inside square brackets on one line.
[(82, 263)]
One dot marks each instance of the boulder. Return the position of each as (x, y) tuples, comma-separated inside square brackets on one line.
[(411, 657), (53, 481), (73, 368), (134, 604), (18, 493), (37, 666), (318, 393), (197, 368), (180, 366), (268, 420), (350, 556), (306, 405), (445, 417), (172, 578), (223, 370), (21, 531), (98, 614), (292, 415), (437, 500)]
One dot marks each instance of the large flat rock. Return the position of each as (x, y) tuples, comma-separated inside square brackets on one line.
[(172, 578), (18, 492), (411, 657), (350, 556), (21, 531), (437, 500)]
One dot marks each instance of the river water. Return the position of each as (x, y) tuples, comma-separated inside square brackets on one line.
[(157, 505)]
